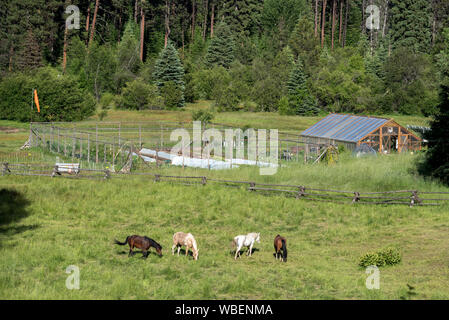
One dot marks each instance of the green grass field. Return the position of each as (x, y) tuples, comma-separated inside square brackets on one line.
[(62, 222)]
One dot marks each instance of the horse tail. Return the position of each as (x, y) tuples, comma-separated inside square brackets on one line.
[(284, 250), (121, 243), (233, 243)]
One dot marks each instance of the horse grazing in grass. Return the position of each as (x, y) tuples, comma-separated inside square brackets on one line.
[(185, 239), (245, 241), (143, 243), (280, 243)]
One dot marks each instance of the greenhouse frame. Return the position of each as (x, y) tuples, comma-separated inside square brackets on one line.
[(383, 135)]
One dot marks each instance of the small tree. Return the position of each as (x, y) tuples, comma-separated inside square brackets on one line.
[(31, 55), (168, 68), (221, 48), (138, 95), (128, 60), (300, 99)]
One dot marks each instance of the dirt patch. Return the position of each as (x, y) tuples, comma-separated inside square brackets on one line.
[(9, 130)]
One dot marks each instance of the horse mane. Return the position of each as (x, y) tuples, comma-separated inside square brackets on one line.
[(154, 243), (195, 246)]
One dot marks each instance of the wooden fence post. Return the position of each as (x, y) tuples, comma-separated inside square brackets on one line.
[(119, 132), (107, 175), (51, 137), (414, 199), (203, 180), (301, 192), (55, 172), (157, 178), (252, 185), (140, 136), (356, 197), (88, 148), (96, 143), (81, 146), (6, 169)]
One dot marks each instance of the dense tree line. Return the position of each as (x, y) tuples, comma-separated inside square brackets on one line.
[(287, 56)]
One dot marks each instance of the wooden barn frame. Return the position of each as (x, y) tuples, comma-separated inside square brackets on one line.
[(383, 135), (394, 137)]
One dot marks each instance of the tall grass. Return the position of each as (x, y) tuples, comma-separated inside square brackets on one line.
[(75, 221)]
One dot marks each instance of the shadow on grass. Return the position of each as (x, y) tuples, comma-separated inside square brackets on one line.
[(139, 252), (243, 251), (13, 208)]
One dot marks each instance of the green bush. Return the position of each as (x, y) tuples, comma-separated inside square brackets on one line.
[(284, 107), (138, 95), (172, 95), (202, 115), (60, 97), (206, 82), (379, 258), (107, 101), (227, 99)]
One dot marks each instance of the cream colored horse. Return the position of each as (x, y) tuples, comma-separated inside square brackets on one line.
[(185, 239)]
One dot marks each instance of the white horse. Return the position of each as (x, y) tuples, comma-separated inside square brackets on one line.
[(245, 241)]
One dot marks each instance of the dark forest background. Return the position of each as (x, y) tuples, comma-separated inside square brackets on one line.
[(289, 56)]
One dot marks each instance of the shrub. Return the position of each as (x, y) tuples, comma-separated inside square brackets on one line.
[(138, 95), (379, 258), (172, 95), (60, 97), (107, 101), (202, 115), (227, 99), (205, 82), (284, 107)]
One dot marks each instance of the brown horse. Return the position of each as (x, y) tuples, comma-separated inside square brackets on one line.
[(280, 243), (143, 243)]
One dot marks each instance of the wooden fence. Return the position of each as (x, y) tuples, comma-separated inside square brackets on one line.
[(401, 197)]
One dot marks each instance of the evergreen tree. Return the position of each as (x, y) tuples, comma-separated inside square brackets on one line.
[(443, 59), (168, 68), (304, 43), (436, 163), (300, 99), (128, 59), (411, 24), (242, 16), (31, 56), (221, 48), (375, 63)]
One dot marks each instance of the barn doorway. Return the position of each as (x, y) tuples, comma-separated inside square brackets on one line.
[(390, 139)]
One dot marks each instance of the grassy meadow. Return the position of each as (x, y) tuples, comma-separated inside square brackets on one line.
[(49, 224)]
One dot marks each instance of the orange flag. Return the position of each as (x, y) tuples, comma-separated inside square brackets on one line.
[(36, 101)]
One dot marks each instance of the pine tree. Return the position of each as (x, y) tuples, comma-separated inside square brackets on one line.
[(168, 68), (221, 49), (31, 56), (375, 64), (128, 55), (300, 99), (436, 163), (242, 16), (411, 24)]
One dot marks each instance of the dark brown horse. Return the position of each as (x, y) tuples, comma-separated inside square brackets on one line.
[(280, 243), (143, 243)]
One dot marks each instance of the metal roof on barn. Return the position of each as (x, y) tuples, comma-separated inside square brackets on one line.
[(344, 127)]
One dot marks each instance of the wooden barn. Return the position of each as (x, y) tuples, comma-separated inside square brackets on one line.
[(383, 135)]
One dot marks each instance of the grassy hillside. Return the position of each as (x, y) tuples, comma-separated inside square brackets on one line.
[(50, 224)]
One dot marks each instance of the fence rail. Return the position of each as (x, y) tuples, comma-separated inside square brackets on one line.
[(399, 197)]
